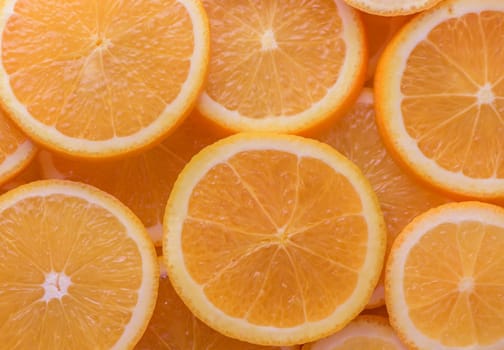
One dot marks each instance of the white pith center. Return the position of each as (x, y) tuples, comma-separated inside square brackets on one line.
[(268, 41), (55, 285), (466, 284), (485, 94)]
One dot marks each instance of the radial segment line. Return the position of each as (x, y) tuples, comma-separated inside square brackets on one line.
[(263, 284), (251, 192)]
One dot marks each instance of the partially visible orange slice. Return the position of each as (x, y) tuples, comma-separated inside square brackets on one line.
[(29, 174), (392, 7), (174, 327), (273, 239), (440, 98), (102, 78), (142, 182), (77, 269), (401, 197), (16, 150), (379, 31), (282, 66), (363, 333), (445, 279)]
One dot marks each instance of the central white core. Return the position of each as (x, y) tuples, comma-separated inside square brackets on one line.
[(466, 284), (55, 285), (268, 41), (485, 94), (100, 43)]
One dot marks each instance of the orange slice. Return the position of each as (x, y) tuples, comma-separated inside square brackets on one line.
[(401, 198), (392, 7), (379, 31), (142, 182), (16, 150), (102, 78), (365, 333), (174, 327), (77, 269), (445, 279), (440, 98), (28, 174), (273, 239), (282, 66)]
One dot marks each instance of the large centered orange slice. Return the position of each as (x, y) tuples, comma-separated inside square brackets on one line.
[(440, 97), (16, 150), (174, 327), (101, 78), (274, 240), (445, 279), (282, 66), (143, 182), (401, 198), (363, 333), (77, 269)]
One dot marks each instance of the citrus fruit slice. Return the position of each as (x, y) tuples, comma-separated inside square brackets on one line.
[(392, 8), (143, 182), (379, 31), (401, 198), (30, 173), (273, 239), (99, 79), (77, 269), (282, 66), (440, 98), (174, 327), (16, 150), (365, 332), (445, 278)]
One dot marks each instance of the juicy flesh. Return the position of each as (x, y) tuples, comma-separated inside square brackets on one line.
[(10, 137), (68, 274), (97, 69), (174, 327), (453, 87), (273, 57), (457, 299), (288, 237)]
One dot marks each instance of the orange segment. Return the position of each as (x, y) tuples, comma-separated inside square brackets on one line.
[(273, 239), (101, 79), (142, 182), (16, 150), (77, 269), (401, 198), (174, 327), (438, 107), (392, 7), (445, 279), (282, 66), (364, 332)]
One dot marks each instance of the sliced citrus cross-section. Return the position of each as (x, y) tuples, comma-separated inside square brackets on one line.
[(16, 150), (101, 78), (282, 66), (392, 7), (28, 174), (174, 327), (445, 278), (274, 240), (363, 333), (440, 98), (143, 182), (77, 269), (401, 198)]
